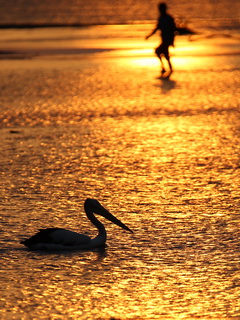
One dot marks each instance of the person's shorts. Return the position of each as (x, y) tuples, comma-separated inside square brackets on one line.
[(163, 49)]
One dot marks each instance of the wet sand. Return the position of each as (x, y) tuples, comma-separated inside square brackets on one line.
[(163, 156)]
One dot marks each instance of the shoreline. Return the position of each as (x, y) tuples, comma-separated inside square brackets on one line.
[(71, 25)]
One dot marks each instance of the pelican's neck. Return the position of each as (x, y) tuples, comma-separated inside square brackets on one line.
[(101, 238)]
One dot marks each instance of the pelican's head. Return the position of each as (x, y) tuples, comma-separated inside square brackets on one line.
[(94, 206)]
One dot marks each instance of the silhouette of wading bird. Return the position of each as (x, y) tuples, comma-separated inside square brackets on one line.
[(61, 239)]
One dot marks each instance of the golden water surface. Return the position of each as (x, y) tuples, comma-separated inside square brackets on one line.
[(162, 156)]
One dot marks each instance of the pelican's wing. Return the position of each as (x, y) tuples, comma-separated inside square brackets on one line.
[(56, 236), (69, 238)]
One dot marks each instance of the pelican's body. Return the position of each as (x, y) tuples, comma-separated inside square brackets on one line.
[(61, 239)]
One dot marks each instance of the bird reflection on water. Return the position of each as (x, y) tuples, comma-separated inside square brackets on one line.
[(61, 239)]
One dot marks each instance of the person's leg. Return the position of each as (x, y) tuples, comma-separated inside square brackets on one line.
[(159, 52), (167, 57), (170, 65)]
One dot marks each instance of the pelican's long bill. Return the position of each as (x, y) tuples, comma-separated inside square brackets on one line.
[(106, 214)]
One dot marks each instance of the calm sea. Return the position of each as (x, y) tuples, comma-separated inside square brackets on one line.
[(220, 14), (84, 114)]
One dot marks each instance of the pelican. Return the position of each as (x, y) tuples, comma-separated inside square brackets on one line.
[(62, 239)]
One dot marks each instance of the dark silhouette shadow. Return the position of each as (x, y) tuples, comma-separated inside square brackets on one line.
[(99, 253), (166, 85)]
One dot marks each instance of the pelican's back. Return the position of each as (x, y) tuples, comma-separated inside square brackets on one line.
[(56, 238)]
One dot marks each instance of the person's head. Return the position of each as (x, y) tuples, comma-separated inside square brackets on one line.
[(162, 7)]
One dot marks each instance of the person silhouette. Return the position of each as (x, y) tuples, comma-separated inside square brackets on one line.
[(166, 25)]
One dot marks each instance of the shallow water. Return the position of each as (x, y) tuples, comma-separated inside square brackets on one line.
[(163, 156)]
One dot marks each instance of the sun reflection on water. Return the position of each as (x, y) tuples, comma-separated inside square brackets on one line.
[(162, 156)]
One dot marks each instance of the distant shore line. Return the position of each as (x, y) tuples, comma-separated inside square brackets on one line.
[(65, 25)]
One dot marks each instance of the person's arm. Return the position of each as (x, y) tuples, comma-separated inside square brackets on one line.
[(152, 33)]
